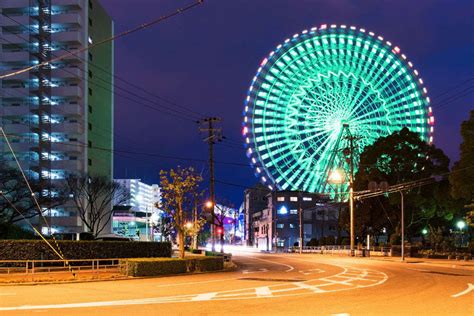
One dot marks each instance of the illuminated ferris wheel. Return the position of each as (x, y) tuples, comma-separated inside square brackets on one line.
[(315, 83)]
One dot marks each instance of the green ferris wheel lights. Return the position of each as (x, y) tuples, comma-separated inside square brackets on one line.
[(312, 84)]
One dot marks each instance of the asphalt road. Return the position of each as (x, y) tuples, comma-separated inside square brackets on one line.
[(264, 284)]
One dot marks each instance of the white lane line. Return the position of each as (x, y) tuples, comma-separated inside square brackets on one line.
[(263, 291), (313, 288), (197, 282), (7, 294), (341, 314), (278, 263), (204, 296), (470, 287)]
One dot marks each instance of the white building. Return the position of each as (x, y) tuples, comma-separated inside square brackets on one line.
[(56, 114), (137, 216)]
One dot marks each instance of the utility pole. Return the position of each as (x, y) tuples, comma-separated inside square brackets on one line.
[(213, 135), (351, 190), (300, 212)]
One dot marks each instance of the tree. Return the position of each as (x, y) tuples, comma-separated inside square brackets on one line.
[(93, 196), (398, 158), (462, 176), (17, 193), (178, 188)]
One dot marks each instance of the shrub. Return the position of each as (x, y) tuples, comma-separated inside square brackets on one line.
[(209, 263), (156, 266), (39, 250), (196, 251), (164, 266)]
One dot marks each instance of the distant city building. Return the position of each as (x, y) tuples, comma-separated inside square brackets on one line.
[(255, 200), (278, 224), (137, 216), (58, 114)]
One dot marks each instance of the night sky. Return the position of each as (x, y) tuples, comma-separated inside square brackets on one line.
[(206, 58)]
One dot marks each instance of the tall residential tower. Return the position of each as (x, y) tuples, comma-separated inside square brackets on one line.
[(59, 115)]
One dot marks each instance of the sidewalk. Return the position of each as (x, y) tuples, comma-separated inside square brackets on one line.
[(445, 263)]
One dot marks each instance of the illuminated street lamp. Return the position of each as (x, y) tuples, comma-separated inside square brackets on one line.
[(189, 225), (337, 176), (461, 224), (424, 231), (209, 204)]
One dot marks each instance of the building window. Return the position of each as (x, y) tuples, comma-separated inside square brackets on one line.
[(280, 226), (90, 91), (90, 4), (90, 56), (90, 22), (90, 73), (89, 39), (89, 143), (294, 199), (292, 225), (89, 162), (306, 198), (294, 211), (90, 126), (90, 109), (281, 199)]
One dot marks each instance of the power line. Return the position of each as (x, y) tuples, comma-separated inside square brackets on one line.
[(112, 38)]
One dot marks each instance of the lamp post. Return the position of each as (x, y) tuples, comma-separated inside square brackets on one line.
[(403, 226), (337, 177), (461, 225)]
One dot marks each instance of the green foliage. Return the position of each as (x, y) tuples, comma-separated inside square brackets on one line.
[(164, 266), (179, 190), (156, 266), (399, 158), (462, 176), (38, 249), (10, 231)]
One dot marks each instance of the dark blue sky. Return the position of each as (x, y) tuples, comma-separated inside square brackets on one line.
[(205, 59)]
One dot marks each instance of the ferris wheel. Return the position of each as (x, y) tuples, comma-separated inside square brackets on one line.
[(317, 83)]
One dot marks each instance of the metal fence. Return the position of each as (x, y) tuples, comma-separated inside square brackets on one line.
[(11, 270), (344, 250)]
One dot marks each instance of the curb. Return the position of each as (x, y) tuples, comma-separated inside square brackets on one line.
[(233, 268)]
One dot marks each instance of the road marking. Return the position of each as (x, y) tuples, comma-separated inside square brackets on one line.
[(254, 271), (197, 282), (341, 314), (470, 287), (263, 291), (7, 294), (279, 263), (204, 296)]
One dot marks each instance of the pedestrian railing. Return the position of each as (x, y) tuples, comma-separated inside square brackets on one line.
[(62, 269), (343, 250)]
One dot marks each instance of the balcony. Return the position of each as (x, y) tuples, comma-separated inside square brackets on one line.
[(14, 92), (66, 18), (23, 147), (16, 128), (15, 110), (69, 128), (66, 72), (67, 37), (8, 4), (14, 56), (23, 19), (74, 91), (69, 109), (69, 165)]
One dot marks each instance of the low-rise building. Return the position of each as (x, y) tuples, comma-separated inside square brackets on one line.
[(278, 224)]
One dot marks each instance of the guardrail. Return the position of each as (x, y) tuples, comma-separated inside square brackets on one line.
[(344, 250), (62, 269)]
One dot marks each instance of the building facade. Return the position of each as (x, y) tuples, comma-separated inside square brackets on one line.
[(255, 200), (59, 116), (278, 224), (138, 216)]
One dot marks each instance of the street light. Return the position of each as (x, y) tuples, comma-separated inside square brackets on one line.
[(461, 224), (424, 231), (189, 225), (209, 204), (337, 176)]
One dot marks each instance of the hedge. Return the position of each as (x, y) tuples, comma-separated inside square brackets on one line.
[(164, 266), (39, 250)]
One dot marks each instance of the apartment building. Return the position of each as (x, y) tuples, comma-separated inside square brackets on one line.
[(59, 117)]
